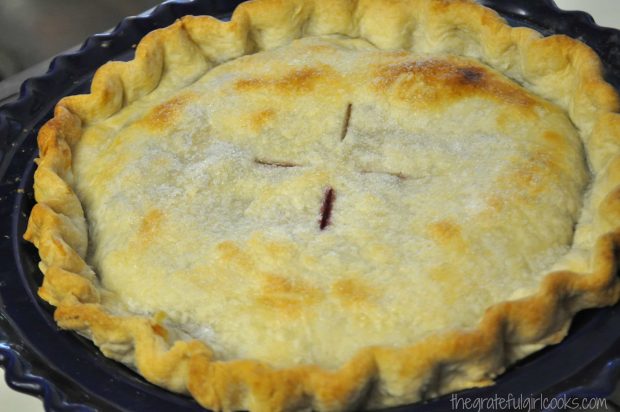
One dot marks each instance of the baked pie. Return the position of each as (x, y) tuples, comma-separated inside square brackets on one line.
[(331, 204)]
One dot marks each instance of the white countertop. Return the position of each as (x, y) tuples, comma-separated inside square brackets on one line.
[(605, 12)]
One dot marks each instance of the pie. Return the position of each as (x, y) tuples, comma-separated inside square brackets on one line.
[(331, 204)]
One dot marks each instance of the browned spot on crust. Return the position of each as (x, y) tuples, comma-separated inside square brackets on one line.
[(352, 292), (296, 81), (166, 114), (495, 202), (231, 254), (531, 176), (150, 224), (528, 177), (429, 81), (471, 75), (552, 137), (279, 251), (535, 171), (445, 231), (160, 330), (289, 295), (260, 119)]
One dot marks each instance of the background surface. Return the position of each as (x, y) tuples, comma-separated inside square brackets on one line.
[(34, 30)]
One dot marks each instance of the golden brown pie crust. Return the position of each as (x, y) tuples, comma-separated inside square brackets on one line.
[(558, 68)]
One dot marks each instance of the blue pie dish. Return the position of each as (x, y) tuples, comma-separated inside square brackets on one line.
[(70, 374)]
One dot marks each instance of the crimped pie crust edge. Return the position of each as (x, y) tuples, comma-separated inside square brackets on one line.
[(558, 68)]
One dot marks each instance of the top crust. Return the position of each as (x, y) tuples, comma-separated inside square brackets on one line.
[(557, 68), (239, 164)]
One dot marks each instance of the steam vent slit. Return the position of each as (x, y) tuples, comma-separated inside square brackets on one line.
[(400, 176), (274, 164), (345, 124), (326, 208)]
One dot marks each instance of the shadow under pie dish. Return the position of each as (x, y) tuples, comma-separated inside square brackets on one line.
[(330, 204)]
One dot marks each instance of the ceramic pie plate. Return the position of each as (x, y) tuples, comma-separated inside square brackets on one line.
[(69, 373)]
